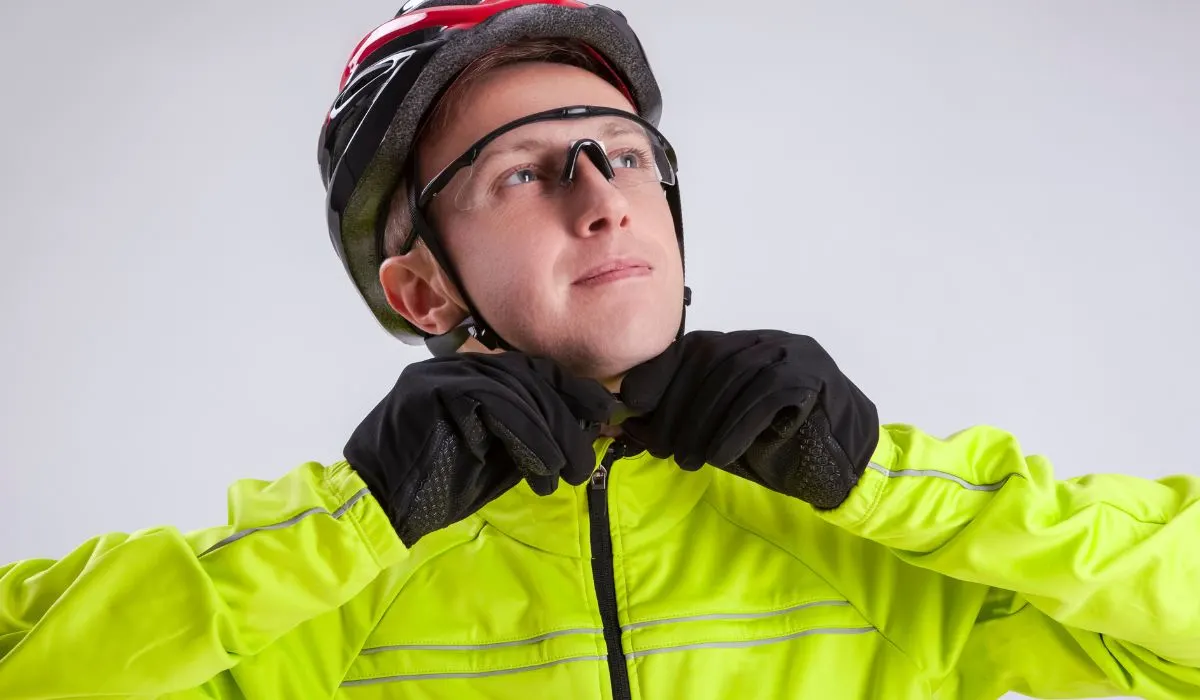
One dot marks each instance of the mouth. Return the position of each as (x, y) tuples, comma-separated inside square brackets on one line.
[(613, 270)]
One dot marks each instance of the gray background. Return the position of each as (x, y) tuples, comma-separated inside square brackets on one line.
[(988, 213)]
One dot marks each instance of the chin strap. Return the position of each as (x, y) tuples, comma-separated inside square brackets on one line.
[(473, 326), (676, 206)]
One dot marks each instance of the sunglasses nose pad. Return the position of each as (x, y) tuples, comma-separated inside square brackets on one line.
[(595, 153)]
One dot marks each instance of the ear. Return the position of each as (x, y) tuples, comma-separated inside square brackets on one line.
[(417, 288)]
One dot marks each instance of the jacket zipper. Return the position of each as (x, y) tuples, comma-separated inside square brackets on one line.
[(602, 571)]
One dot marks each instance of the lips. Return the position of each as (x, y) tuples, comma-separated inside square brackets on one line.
[(617, 268)]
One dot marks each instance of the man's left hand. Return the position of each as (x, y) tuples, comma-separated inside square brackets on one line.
[(766, 405)]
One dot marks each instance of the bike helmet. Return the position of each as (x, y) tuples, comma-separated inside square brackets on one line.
[(395, 76)]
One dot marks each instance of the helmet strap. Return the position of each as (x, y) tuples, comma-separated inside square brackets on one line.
[(474, 325), (677, 216)]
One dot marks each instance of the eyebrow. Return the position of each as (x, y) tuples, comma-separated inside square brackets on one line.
[(610, 128), (524, 145), (621, 127)]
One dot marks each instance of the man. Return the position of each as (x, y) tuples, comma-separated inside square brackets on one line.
[(578, 498)]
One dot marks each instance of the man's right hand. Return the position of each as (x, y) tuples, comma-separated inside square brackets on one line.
[(457, 432)]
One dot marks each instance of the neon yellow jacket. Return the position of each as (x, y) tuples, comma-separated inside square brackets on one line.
[(958, 568)]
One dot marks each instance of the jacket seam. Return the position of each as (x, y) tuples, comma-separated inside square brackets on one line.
[(728, 518), (384, 609), (759, 613), (400, 677), (876, 498), (940, 475), (345, 505), (792, 634), (924, 672), (773, 637), (1122, 511), (352, 517), (529, 639), (358, 526)]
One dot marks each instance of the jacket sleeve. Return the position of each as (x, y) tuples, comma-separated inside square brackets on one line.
[(157, 611), (1066, 588)]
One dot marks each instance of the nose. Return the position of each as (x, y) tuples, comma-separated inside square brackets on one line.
[(597, 205)]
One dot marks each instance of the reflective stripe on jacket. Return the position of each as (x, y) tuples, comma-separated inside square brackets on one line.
[(958, 568)]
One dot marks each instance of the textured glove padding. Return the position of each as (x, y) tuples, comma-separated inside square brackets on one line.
[(457, 432), (766, 405)]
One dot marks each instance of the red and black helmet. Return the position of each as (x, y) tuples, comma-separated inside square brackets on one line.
[(394, 77)]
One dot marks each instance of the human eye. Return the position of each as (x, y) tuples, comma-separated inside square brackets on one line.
[(635, 158), (520, 175)]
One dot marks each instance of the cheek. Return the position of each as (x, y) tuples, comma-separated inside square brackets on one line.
[(501, 263)]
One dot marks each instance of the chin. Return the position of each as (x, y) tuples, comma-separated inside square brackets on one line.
[(608, 349)]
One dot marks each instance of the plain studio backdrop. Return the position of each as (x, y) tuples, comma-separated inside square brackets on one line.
[(988, 213)]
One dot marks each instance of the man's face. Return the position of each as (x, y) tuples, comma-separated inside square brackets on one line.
[(530, 261)]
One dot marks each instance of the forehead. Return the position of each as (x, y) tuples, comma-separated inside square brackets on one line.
[(509, 93)]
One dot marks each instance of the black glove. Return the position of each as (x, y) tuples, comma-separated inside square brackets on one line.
[(457, 432), (766, 405)]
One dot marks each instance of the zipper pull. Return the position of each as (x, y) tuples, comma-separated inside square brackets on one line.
[(600, 478), (614, 452)]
